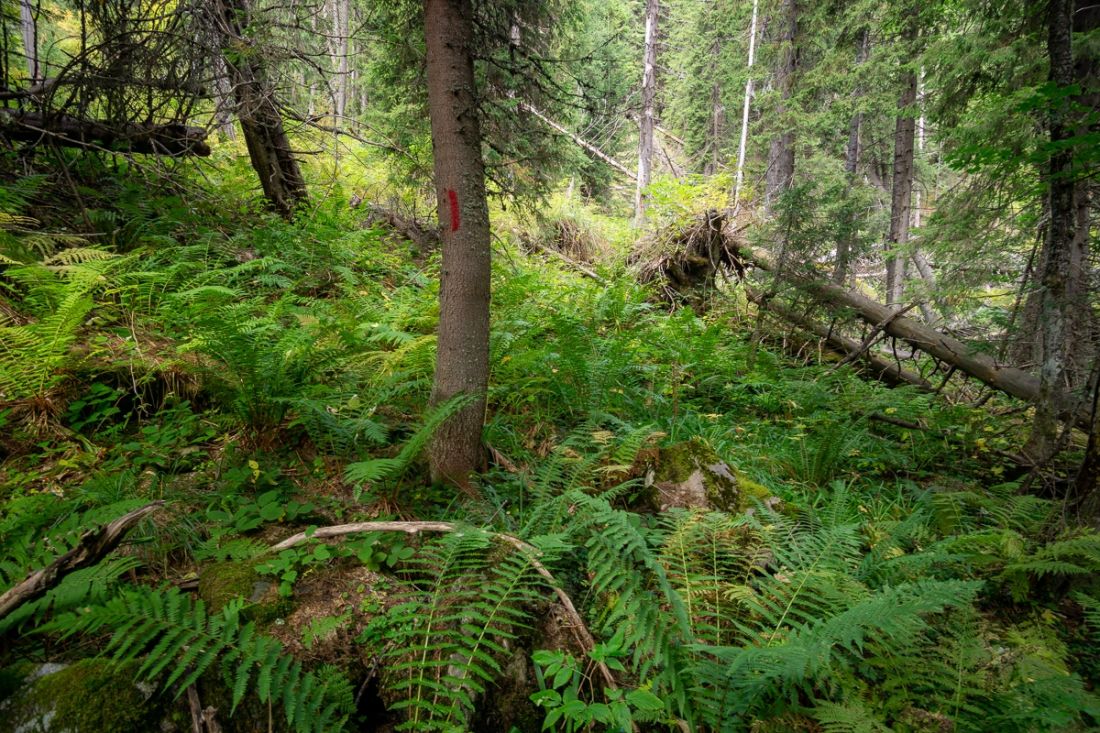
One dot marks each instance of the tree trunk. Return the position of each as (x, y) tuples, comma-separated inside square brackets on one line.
[(1054, 278), (29, 27), (648, 116), (851, 166), (341, 30), (462, 358), (261, 121), (222, 100), (982, 367), (714, 132), (901, 196), (781, 152), (130, 137), (740, 176)]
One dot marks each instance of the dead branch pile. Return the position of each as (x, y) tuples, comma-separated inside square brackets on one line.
[(567, 237), (685, 261)]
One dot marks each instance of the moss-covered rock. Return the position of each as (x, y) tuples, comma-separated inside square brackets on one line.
[(91, 696), (691, 475), (220, 583)]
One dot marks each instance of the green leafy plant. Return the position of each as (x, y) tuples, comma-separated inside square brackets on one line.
[(179, 642)]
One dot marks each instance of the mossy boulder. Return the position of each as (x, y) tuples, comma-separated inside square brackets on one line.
[(91, 696), (222, 582), (690, 475)]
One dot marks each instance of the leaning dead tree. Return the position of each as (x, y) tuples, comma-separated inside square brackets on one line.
[(690, 259)]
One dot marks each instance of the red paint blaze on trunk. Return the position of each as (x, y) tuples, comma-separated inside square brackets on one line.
[(456, 218)]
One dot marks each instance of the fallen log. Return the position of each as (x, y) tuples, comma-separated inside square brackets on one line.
[(878, 367), (1007, 379), (93, 546), (174, 140)]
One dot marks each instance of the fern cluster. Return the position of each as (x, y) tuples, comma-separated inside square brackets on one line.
[(179, 642)]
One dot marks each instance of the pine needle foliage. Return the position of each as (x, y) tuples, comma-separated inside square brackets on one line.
[(179, 642)]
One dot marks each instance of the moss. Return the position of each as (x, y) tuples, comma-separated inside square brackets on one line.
[(220, 583), (91, 696), (12, 678), (691, 474)]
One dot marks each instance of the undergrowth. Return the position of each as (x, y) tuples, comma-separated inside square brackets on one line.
[(274, 378)]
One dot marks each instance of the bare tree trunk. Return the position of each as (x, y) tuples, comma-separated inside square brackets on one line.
[(740, 176), (901, 198), (222, 103), (462, 357), (29, 26), (920, 262), (648, 116), (261, 121), (851, 165), (341, 30), (1055, 303), (781, 152), (715, 131)]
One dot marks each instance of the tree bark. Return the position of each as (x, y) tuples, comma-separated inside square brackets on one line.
[(878, 367), (851, 166), (462, 359), (739, 179), (781, 152), (257, 109), (982, 367), (341, 32), (131, 137), (648, 116), (902, 191), (29, 27), (1055, 298)]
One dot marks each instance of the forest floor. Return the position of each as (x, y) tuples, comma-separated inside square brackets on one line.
[(755, 540)]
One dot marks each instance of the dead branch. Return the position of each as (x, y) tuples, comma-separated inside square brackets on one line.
[(93, 546), (580, 630)]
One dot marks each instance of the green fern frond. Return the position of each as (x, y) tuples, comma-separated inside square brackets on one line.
[(448, 637), (380, 469), (179, 642)]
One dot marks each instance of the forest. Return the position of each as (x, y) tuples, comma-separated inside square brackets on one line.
[(505, 365)]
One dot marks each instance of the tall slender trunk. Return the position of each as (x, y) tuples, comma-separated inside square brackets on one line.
[(1061, 196), (341, 30), (648, 116), (714, 133), (223, 104), (29, 26), (920, 262), (781, 151), (462, 357), (739, 179), (851, 166), (261, 121), (902, 191)]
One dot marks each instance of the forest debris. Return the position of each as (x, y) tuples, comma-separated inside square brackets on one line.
[(424, 236), (173, 140), (1007, 379), (93, 546), (687, 260), (577, 625)]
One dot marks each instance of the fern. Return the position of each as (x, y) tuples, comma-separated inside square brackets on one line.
[(181, 641), (33, 356), (446, 638), (380, 469)]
